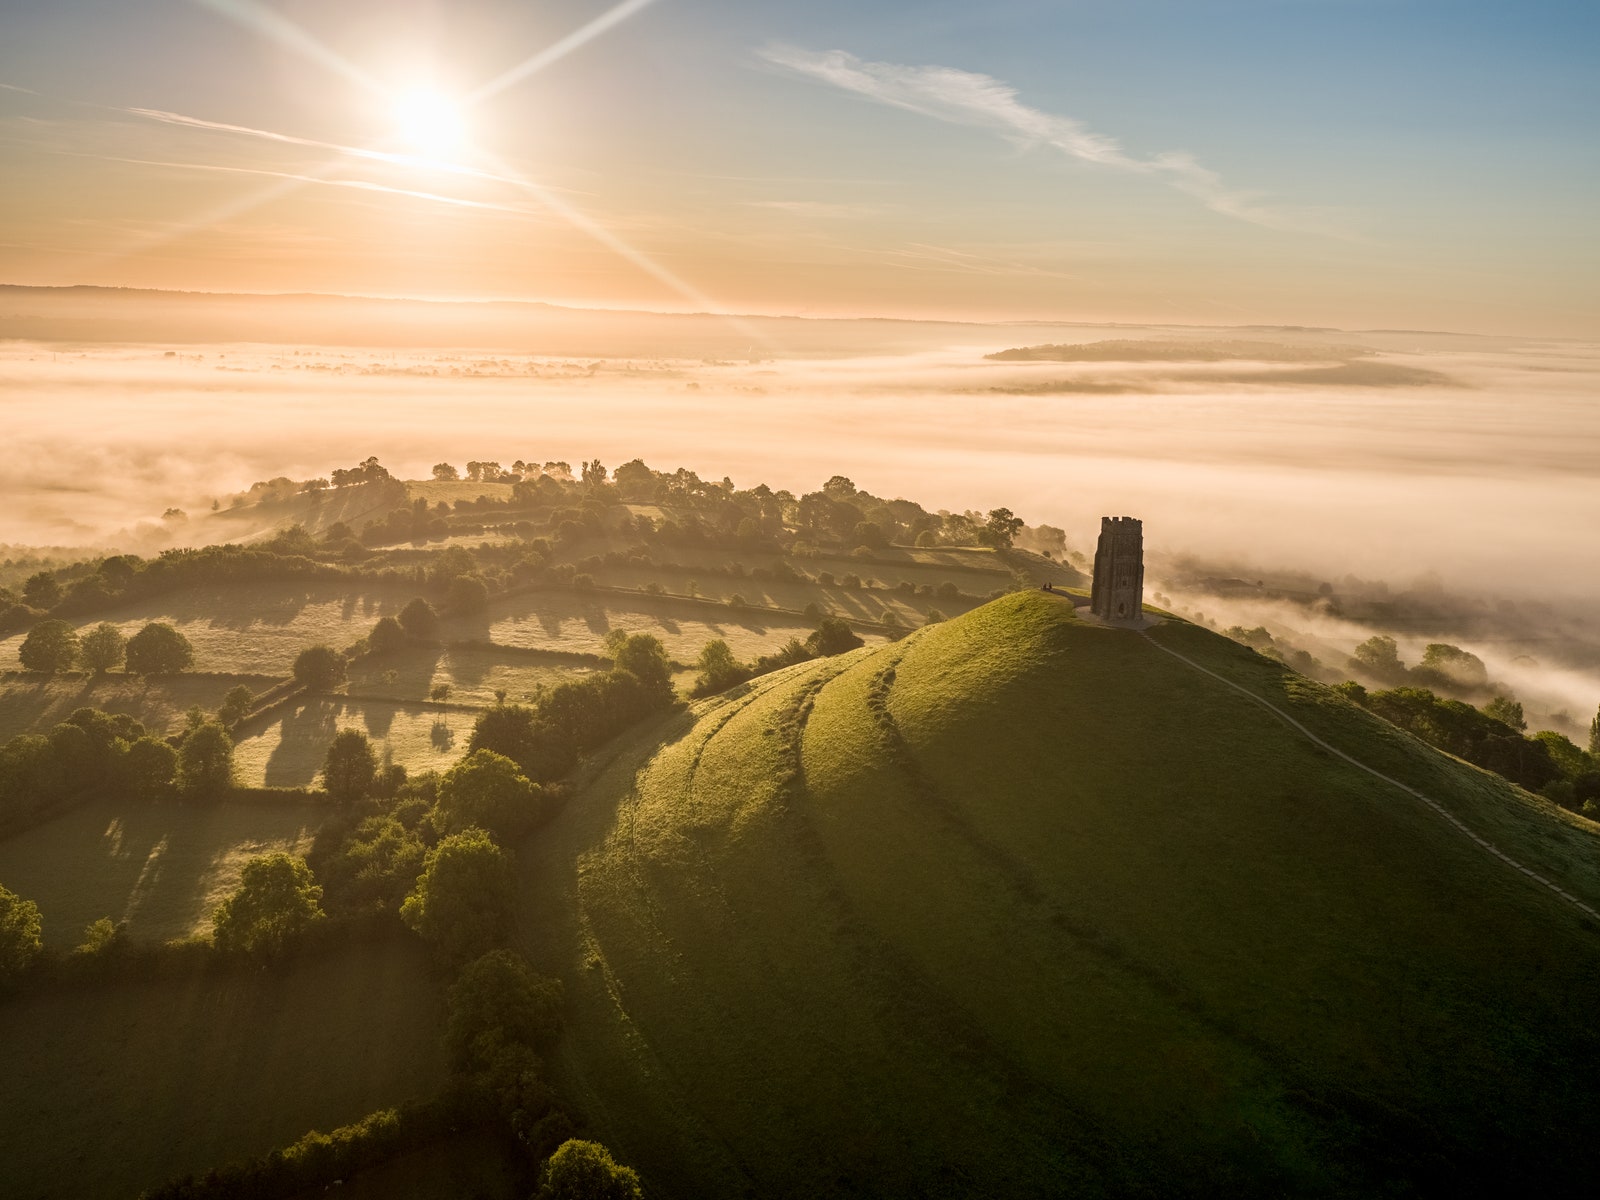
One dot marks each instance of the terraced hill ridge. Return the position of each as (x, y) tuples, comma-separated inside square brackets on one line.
[(1021, 905)]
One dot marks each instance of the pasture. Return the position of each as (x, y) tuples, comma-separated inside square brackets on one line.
[(109, 1091), (162, 868), (472, 673), (35, 703), (287, 750), (254, 628), (577, 622)]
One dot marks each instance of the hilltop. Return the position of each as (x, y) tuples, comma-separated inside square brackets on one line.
[(1022, 905)]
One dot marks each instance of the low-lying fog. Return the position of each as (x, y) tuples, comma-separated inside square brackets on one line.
[(1392, 456)]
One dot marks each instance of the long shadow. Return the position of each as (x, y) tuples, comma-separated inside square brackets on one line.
[(304, 732)]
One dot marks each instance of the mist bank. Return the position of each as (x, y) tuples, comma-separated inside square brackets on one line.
[(1491, 484)]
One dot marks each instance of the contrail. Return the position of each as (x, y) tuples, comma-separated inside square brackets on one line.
[(968, 98)]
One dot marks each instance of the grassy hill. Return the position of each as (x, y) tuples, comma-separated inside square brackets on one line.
[(1023, 905)]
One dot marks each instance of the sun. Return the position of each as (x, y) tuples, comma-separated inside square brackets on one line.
[(429, 122)]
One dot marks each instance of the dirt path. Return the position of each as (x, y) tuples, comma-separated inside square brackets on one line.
[(1432, 804)]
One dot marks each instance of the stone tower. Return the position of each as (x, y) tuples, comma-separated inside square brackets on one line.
[(1118, 593)]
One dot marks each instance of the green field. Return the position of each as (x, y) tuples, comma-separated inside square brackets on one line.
[(1024, 906), (36, 703), (577, 622), (252, 628), (287, 751), (472, 673), (855, 604), (160, 867), (108, 1091)]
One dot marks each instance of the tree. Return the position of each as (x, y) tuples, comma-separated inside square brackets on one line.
[(1507, 711), (20, 942), (498, 1000), (594, 475), (350, 767), (719, 670), (205, 762), (278, 901), (386, 636), (319, 668), (461, 903), (151, 766), (644, 657), (42, 590), (634, 480), (1001, 527), (103, 647), (1453, 665), (833, 636), (540, 749), (580, 1170), (158, 649), (234, 705), (419, 620), (50, 646), (1379, 657), (488, 790), (870, 534), (1594, 735), (468, 594), (445, 473)]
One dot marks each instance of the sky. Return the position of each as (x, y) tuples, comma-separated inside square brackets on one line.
[(1422, 164)]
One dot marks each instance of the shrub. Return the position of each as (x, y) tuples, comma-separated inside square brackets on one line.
[(833, 636), (586, 1171), (50, 646), (277, 903), (20, 943), (738, 601), (158, 649), (719, 670), (934, 617)]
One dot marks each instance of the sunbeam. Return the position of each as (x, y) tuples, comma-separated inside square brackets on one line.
[(277, 27), (559, 50)]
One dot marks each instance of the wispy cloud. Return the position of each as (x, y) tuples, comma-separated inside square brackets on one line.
[(968, 98)]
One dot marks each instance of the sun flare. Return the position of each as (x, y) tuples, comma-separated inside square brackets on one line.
[(428, 121)]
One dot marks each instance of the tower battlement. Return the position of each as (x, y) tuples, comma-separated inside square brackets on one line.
[(1118, 591)]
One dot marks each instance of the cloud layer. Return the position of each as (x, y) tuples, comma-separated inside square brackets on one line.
[(968, 98)]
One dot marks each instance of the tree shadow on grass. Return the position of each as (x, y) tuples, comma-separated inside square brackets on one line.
[(304, 735)]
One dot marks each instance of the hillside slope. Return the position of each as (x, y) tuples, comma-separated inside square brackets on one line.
[(1022, 905)]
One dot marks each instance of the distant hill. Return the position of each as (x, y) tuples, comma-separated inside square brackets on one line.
[(1158, 350), (1021, 905)]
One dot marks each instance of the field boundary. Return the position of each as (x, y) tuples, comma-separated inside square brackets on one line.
[(1437, 808)]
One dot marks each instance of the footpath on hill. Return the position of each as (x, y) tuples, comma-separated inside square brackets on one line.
[(1432, 804)]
